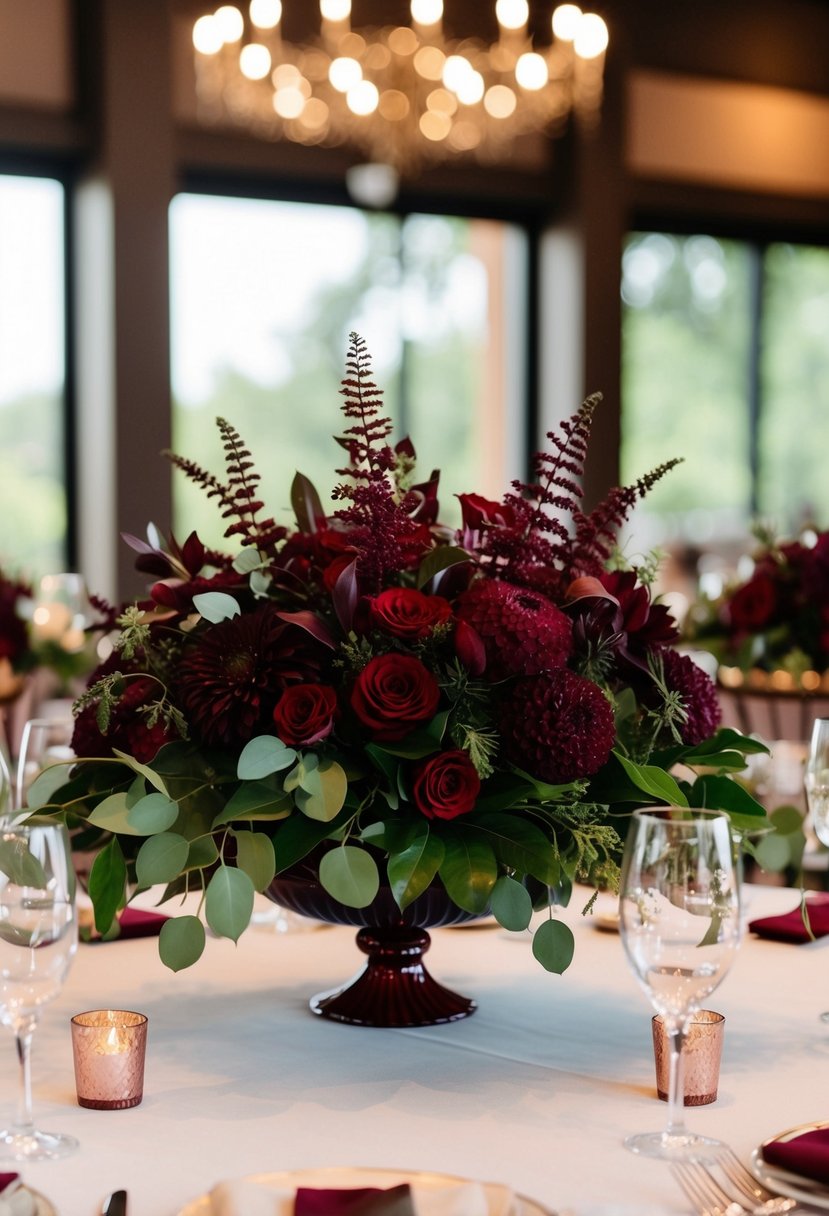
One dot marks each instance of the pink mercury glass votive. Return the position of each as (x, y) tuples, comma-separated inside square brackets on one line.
[(108, 1046), (701, 1057)]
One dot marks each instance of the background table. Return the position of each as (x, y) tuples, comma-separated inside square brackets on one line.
[(537, 1089)]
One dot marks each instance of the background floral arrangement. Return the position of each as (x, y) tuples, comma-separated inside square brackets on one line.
[(388, 698), (777, 618), (16, 653)]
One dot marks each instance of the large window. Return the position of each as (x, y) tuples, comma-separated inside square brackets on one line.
[(33, 495), (726, 363), (264, 295)]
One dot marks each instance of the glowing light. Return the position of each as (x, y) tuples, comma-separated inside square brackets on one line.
[(435, 126), (500, 101), (255, 61), (428, 62), (230, 21), (591, 37), (427, 12), (288, 102), (470, 90), (362, 97), (531, 71), (512, 14), (394, 105), (403, 41), (442, 101), (566, 21), (265, 14), (207, 37), (456, 69), (335, 10), (344, 73)]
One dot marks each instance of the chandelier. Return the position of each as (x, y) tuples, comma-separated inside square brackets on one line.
[(405, 96)]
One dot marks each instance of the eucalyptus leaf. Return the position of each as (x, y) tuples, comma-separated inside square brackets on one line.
[(297, 836), (20, 865), (511, 904), (201, 852), (229, 902), (152, 813), (111, 815), (161, 858), (786, 819), (255, 855), (47, 782), (255, 800), (323, 791), (553, 945), (245, 561), (181, 942), (773, 853), (216, 606), (144, 770), (350, 875), (260, 582), (107, 882), (411, 870), (262, 756)]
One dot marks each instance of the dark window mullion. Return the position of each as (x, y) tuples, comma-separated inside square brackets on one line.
[(754, 386)]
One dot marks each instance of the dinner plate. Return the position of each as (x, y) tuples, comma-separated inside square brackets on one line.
[(793, 1186), (341, 1177), (42, 1205)]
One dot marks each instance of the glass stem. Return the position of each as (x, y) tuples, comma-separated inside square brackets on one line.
[(676, 1079), (24, 1122)]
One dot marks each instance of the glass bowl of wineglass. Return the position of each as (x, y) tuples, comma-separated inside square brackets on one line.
[(38, 939), (680, 927)]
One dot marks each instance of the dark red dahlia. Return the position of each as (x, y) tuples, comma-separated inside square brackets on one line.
[(558, 726), (128, 730), (522, 631), (230, 680), (699, 696), (14, 637)]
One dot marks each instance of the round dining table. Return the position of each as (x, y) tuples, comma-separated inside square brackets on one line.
[(536, 1090)]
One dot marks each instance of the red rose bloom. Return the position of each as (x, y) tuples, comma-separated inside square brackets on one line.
[(409, 614), (753, 604), (393, 694), (304, 714), (446, 785)]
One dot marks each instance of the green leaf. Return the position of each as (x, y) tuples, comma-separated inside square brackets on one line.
[(47, 782), (718, 793), (247, 560), (297, 836), (151, 814), (350, 875), (654, 781), (542, 790), (411, 870), (107, 880), (521, 846), (255, 800), (511, 904), (415, 746), (216, 606), (20, 864), (787, 819), (323, 791), (229, 902), (201, 852), (469, 870), (161, 859), (181, 942), (553, 945), (262, 756), (111, 815), (773, 853), (437, 559), (143, 770), (255, 855)]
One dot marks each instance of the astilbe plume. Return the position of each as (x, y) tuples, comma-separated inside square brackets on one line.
[(378, 525)]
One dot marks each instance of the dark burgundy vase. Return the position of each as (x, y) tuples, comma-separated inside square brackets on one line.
[(394, 988)]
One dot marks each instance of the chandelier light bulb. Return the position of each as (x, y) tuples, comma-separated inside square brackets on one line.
[(591, 37), (344, 73), (255, 61), (207, 37), (531, 71), (512, 14), (230, 21), (566, 22), (427, 12), (363, 97), (265, 14), (335, 10)]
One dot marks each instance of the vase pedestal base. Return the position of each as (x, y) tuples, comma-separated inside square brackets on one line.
[(394, 988)]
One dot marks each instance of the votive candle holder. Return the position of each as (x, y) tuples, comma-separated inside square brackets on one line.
[(109, 1047), (701, 1056)]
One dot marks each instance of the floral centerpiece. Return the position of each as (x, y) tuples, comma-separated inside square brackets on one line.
[(776, 621), (392, 700), (16, 653)]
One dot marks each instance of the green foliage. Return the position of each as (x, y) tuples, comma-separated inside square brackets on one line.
[(554, 945)]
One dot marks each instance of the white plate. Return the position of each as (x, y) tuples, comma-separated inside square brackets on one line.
[(343, 1177), (794, 1186), (606, 921)]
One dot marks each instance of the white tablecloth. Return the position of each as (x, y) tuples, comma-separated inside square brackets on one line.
[(536, 1090)]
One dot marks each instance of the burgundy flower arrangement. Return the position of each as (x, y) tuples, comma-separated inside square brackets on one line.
[(777, 619), (400, 702), (16, 654)]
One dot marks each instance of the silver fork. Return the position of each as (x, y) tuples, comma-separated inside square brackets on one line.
[(748, 1186), (711, 1199)]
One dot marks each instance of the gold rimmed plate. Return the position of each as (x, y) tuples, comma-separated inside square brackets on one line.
[(340, 1177), (793, 1186)]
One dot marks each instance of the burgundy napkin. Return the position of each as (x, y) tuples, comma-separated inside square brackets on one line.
[(807, 1154), (6, 1180), (135, 922), (790, 928), (358, 1201)]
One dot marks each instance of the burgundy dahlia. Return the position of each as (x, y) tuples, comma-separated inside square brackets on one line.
[(698, 693), (523, 632), (558, 726), (127, 730), (230, 680)]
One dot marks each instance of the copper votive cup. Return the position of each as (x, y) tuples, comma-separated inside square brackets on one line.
[(108, 1047), (701, 1057)]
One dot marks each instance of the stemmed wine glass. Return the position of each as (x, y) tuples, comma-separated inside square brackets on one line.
[(680, 926), (816, 781), (44, 741), (38, 938)]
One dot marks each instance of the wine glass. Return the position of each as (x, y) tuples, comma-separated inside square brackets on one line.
[(816, 781), (38, 938), (44, 741), (680, 926)]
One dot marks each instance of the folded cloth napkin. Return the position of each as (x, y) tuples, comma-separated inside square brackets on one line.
[(15, 1199), (133, 922), (360, 1201), (247, 1197), (806, 1154), (789, 926)]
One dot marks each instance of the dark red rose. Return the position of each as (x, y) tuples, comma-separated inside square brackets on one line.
[(393, 694), (753, 604), (476, 511), (470, 649), (446, 785), (304, 714), (408, 614)]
